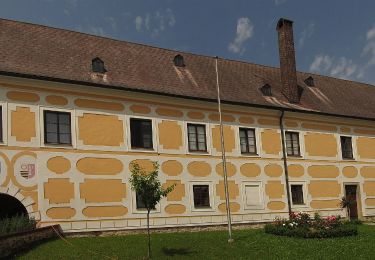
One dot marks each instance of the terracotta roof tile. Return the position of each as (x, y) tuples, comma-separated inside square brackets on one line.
[(49, 52)]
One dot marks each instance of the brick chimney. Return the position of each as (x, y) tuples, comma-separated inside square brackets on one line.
[(287, 60)]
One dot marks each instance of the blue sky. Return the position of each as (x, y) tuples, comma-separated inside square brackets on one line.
[(334, 38)]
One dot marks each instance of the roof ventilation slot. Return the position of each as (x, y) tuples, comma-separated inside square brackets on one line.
[(97, 65), (266, 90), (309, 81), (179, 61)]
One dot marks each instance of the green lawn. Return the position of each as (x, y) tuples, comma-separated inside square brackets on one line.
[(249, 244)]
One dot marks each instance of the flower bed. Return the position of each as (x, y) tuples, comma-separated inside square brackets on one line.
[(302, 225)]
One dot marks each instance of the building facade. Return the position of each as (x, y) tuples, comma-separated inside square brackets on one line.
[(67, 144)]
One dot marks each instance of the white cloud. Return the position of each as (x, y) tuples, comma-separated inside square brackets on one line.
[(279, 2), (244, 31), (138, 23), (96, 30), (369, 49), (112, 22), (344, 67), (306, 34), (336, 67), (156, 22)]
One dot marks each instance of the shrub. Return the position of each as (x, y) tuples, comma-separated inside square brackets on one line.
[(15, 224), (302, 225)]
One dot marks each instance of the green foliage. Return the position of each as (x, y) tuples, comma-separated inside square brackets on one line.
[(148, 186), (303, 226), (16, 224)]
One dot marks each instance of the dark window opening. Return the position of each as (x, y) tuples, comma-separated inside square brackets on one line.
[(1, 124), (346, 147), (139, 202), (141, 133), (201, 196), (197, 137), (97, 65), (266, 90), (248, 141), (179, 61), (309, 81), (297, 194), (292, 144), (57, 128)]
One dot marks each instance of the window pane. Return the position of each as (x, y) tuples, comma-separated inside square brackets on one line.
[(64, 129), (201, 196), (51, 128), (64, 119), (51, 138), (297, 194), (193, 146), (191, 129), (50, 117), (202, 146), (201, 130), (139, 202), (65, 139), (141, 133)]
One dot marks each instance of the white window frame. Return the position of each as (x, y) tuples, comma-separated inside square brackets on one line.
[(72, 127), (301, 140), (257, 141), (211, 194), (154, 135), (261, 194), (4, 123), (142, 211), (304, 190), (354, 147), (208, 138)]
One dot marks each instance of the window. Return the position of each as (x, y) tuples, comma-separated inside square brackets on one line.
[(97, 65), (179, 61), (141, 133), (292, 143), (201, 195), (197, 137), (1, 124), (297, 194), (57, 128), (309, 81), (266, 90), (139, 203), (253, 195), (346, 147), (247, 141)]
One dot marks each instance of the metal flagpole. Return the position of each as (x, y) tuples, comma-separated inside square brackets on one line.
[(230, 239)]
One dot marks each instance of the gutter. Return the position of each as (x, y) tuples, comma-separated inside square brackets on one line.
[(127, 88), (286, 174)]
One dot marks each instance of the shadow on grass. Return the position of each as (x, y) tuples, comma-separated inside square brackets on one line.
[(177, 251)]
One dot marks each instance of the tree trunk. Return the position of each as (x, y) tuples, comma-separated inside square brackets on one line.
[(148, 233)]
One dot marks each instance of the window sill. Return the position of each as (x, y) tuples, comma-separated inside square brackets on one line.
[(62, 146), (203, 209), (199, 152), (348, 159), (135, 149), (299, 206), (294, 156), (250, 154)]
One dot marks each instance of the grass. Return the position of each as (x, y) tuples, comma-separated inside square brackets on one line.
[(249, 244)]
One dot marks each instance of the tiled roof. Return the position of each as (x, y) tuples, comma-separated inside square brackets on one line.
[(41, 51)]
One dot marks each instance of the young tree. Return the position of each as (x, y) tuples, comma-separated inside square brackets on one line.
[(150, 191)]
